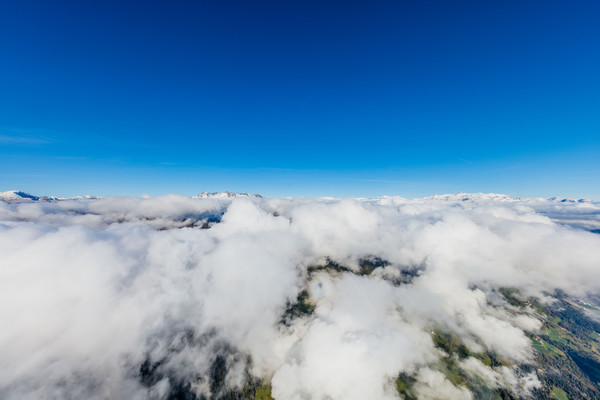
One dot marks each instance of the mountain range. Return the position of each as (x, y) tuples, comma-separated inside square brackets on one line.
[(18, 196)]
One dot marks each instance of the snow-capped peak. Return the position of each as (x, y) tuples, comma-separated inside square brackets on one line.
[(17, 195), (223, 195), (567, 200), (472, 197)]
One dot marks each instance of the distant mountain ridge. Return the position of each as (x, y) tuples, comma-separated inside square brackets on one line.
[(566, 200), (462, 196), (12, 195), (18, 196), (224, 195)]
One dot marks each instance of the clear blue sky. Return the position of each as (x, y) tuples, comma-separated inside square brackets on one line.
[(352, 98)]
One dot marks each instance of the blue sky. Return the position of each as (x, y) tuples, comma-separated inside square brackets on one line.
[(300, 98)]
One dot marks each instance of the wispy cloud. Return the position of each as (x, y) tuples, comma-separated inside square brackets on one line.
[(22, 140), (72, 158), (169, 163), (386, 181)]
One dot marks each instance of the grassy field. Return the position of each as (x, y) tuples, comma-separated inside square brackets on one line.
[(263, 393), (559, 394)]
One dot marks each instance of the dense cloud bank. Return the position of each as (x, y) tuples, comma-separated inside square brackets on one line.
[(136, 298)]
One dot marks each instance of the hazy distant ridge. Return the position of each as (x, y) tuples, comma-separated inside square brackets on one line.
[(21, 196)]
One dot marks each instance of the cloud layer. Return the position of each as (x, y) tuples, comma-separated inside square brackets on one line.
[(133, 298)]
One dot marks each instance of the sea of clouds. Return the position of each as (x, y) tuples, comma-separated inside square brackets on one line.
[(128, 298)]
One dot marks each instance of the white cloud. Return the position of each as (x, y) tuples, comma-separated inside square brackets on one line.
[(90, 290)]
